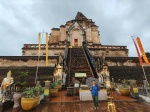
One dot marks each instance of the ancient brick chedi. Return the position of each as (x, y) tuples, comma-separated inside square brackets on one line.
[(74, 32)]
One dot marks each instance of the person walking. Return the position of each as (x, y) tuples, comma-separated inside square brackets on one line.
[(94, 91)]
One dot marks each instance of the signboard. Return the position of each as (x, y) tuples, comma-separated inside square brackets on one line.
[(135, 90), (70, 46), (46, 92), (80, 74), (76, 85)]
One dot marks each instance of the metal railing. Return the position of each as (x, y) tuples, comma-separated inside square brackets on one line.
[(68, 60)]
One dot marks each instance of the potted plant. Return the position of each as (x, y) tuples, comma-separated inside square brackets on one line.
[(125, 90), (59, 84), (53, 89), (31, 97), (19, 87)]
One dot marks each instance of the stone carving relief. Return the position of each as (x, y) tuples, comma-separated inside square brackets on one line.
[(33, 53), (96, 53)]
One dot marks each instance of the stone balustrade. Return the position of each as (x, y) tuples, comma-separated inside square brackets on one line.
[(106, 46), (43, 46)]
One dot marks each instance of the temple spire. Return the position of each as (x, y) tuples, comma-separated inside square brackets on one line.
[(80, 16)]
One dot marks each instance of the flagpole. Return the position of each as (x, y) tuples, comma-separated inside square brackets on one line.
[(144, 73), (39, 46)]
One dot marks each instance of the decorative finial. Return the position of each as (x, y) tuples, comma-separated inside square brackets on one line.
[(9, 72)]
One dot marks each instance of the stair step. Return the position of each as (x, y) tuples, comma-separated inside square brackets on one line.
[(79, 63)]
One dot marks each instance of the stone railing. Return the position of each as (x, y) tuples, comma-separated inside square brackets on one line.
[(106, 46), (43, 46)]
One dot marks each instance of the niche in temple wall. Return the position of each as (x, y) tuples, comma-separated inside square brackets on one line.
[(76, 38), (23, 53), (75, 34), (96, 53), (107, 52), (58, 52), (33, 53)]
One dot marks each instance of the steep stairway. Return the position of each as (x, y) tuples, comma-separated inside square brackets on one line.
[(79, 63)]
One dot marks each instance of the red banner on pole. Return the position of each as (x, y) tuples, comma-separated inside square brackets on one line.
[(142, 50), (140, 59)]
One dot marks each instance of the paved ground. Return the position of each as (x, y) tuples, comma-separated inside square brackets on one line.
[(73, 104), (63, 98), (120, 106)]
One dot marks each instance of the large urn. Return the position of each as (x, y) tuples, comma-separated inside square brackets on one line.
[(17, 99), (29, 103), (59, 87), (124, 91)]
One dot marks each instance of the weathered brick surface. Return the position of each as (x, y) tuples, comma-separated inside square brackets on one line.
[(43, 72)]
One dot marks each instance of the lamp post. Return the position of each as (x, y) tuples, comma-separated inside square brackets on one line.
[(145, 81), (144, 73)]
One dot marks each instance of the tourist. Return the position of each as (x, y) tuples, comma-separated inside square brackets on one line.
[(94, 91)]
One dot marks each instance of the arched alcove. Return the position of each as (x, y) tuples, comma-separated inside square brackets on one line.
[(76, 37)]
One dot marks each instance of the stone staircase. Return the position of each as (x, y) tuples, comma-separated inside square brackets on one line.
[(79, 63)]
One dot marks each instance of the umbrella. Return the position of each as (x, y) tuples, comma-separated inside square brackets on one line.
[(90, 80)]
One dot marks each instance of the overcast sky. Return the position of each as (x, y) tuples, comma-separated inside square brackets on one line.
[(118, 20)]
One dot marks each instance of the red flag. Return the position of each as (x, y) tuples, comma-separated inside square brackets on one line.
[(140, 59), (142, 50)]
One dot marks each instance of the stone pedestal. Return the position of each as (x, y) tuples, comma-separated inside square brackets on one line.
[(133, 89), (46, 92)]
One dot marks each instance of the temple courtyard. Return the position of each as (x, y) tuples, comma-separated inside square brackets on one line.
[(72, 62), (64, 103)]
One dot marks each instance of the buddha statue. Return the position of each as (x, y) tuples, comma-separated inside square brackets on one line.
[(7, 81)]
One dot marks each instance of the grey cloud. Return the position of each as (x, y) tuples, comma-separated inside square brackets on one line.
[(21, 21)]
